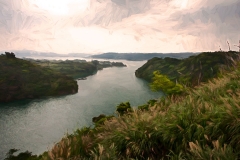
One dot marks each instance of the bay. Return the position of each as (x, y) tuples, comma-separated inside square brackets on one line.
[(36, 125)]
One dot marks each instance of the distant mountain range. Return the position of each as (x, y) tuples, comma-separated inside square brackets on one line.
[(142, 56), (109, 55)]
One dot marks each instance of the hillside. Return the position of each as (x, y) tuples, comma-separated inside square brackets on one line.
[(21, 79), (189, 71), (202, 124), (141, 56)]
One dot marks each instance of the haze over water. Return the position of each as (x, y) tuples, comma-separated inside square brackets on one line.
[(38, 124)]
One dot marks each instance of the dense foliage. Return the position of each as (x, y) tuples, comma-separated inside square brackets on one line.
[(190, 71), (123, 108), (21, 79), (163, 83), (21, 156)]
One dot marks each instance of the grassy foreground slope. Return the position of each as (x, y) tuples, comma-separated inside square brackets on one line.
[(190, 71), (21, 79), (202, 125)]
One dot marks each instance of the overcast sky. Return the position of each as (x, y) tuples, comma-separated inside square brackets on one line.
[(97, 26)]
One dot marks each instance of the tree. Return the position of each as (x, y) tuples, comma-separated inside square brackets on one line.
[(95, 62), (21, 156), (10, 55), (163, 83)]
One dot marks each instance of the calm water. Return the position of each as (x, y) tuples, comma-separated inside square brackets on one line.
[(37, 124)]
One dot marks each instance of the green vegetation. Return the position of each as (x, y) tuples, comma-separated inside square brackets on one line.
[(123, 108), (21, 156), (202, 124), (190, 71), (150, 103), (101, 119), (163, 83), (21, 79), (76, 68)]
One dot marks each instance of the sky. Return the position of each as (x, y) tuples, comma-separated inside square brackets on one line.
[(99, 26)]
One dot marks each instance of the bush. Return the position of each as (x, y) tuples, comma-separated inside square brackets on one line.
[(123, 108), (163, 83)]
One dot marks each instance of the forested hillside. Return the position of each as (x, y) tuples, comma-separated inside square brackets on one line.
[(189, 71), (21, 79)]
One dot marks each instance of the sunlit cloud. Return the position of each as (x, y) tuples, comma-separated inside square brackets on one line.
[(96, 26)]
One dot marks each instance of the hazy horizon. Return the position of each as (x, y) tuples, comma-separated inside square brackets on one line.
[(122, 26), (24, 51)]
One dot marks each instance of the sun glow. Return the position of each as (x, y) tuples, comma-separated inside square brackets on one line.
[(61, 7), (184, 4), (180, 4)]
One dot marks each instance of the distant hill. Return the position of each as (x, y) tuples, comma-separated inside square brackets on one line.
[(21, 79), (141, 56), (30, 53), (191, 70)]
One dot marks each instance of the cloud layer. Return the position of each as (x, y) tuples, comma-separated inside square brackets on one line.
[(96, 26)]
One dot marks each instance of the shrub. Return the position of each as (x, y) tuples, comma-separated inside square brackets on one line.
[(123, 108), (162, 82)]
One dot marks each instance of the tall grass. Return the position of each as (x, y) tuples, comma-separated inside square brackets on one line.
[(203, 124)]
